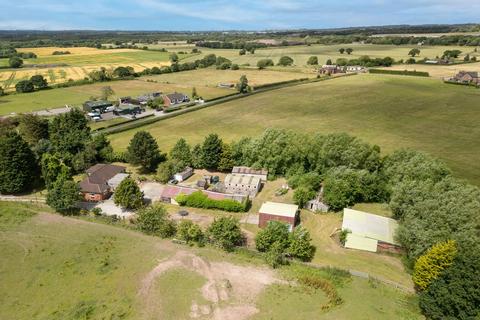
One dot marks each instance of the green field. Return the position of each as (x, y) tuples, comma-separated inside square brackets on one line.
[(64, 268), (300, 54), (391, 111), (204, 80)]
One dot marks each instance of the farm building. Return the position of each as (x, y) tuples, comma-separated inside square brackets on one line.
[(274, 211), (171, 192), (175, 98), (127, 108), (330, 69), (247, 171), (95, 187), (128, 100), (355, 69), (317, 204), (145, 98), (101, 105), (369, 232), (242, 184), (467, 77), (185, 174)]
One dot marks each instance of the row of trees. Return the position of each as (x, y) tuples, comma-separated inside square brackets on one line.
[(36, 82)]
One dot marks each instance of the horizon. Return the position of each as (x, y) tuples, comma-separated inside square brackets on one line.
[(221, 15)]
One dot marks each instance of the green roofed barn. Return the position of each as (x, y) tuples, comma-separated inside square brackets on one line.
[(100, 105), (369, 232)]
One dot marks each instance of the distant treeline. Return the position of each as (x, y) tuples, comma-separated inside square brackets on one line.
[(234, 39)]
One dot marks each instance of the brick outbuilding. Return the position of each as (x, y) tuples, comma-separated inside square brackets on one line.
[(274, 211)]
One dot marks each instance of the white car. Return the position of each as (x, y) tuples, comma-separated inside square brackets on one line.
[(97, 118), (93, 114), (109, 109)]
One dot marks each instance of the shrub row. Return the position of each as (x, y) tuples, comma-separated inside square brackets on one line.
[(401, 72), (268, 85), (334, 298), (200, 200), (462, 84)]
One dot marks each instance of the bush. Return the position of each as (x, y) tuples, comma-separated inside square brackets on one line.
[(285, 61), (190, 232), (128, 195), (275, 256), (154, 220), (263, 63), (275, 232), (429, 266), (15, 62), (24, 86), (225, 233)]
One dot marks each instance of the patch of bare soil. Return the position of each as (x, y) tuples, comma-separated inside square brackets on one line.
[(230, 290)]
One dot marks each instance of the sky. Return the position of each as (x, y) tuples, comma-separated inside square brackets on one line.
[(163, 15)]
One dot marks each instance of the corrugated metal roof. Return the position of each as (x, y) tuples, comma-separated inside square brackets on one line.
[(279, 209), (242, 179), (361, 243), (370, 225)]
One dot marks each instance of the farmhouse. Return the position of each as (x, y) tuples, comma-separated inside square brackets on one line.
[(274, 211), (185, 174), (242, 184), (369, 232), (145, 98), (95, 187), (171, 192), (467, 77), (247, 171), (175, 98), (330, 69), (100, 105)]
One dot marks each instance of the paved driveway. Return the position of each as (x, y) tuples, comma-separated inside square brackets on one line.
[(152, 191), (108, 208)]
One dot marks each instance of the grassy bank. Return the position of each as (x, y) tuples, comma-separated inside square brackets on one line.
[(391, 111)]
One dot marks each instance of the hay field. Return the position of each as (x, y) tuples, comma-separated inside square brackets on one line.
[(391, 111), (438, 71), (79, 63), (57, 267), (300, 54)]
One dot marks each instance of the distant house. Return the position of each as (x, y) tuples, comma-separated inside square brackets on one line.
[(369, 232), (144, 99), (95, 187), (185, 174), (99, 106), (175, 98), (242, 184), (171, 192), (274, 211), (467, 77), (247, 171), (330, 69)]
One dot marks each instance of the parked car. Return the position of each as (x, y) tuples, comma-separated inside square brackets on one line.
[(97, 118), (215, 179), (172, 181), (183, 213), (109, 109), (93, 114)]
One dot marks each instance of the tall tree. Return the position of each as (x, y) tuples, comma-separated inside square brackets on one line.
[(69, 133), (225, 232), (313, 60), (143, 150), (414, 52), (53, 168), (349, 50), (181, 152), (33, 128), (64, 195), (154, 220), (211, 151), (39, 81), (285, 61), (24, 86), (242, 85), (15, 62), (18, 168), (173, 57), (106, 92), (341, 50), (128, 195)]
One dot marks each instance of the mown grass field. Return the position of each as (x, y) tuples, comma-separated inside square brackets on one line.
[(391, 111), (63, 268), (204, 80), (300, 54)]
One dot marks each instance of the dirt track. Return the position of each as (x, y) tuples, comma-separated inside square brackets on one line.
[(231, 295)]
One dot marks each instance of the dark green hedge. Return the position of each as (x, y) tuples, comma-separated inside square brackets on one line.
[(401, 72), (200, 200)]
